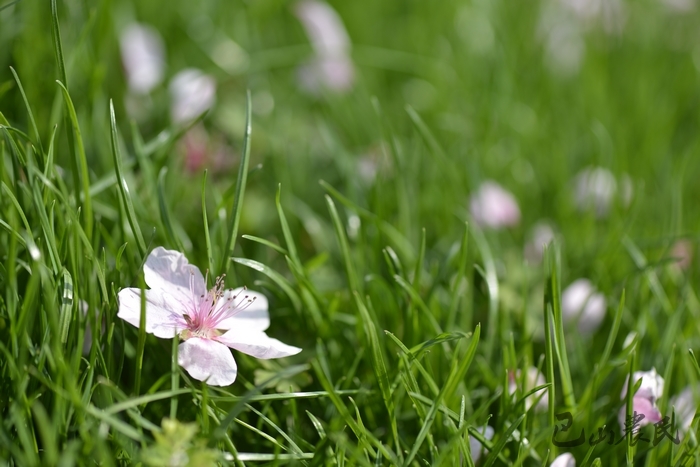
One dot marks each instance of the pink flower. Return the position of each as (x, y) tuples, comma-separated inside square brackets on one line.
[(208, 322), (192, 93), (331, 67), (582, 304), (143, 55), (492, 206), (564, 460), (644, 400)]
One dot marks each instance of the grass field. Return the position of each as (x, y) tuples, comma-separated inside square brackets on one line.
[(385, 175)]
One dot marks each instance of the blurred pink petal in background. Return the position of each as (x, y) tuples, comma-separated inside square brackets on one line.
[(492, 206), (331, 66), (192, 93), (143, 56)]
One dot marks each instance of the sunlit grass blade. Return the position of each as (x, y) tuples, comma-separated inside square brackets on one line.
[(350, 273), (28, 107), (276, 277), (379, 366), (81, 162), (235, 215), (165, 212), (124, 193), (205, 225)]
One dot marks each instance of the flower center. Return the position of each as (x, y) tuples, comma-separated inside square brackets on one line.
[(207, 312)]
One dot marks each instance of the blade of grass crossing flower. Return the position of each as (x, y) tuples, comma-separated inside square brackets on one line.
[(353, 282), (81, 161), (121, 182), (174, 376), (165, 213), (276, 277), (141, 343), (267, 243), (379, 366), (205, 224), (235, 216)]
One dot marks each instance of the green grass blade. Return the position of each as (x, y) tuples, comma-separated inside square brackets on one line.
[(379, 366), (205, 224), (276, 277), (235, 215), (81, 162), (353, 282), (165, 212), (123, 187)]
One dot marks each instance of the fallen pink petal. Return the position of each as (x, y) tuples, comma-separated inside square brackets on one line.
[(209, 322), (331, 66), (644, 400), (192, 93), (143, 56), (494, 207), (583, 305)]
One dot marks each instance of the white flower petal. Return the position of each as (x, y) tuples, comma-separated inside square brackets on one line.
[(170, 272), (533, 379), (207, 360), (595, 189), (143, 54), (257, 344), (324, 28), (254, 317), (685, 407), (564, 460), (161, 321), (192, 93), (492, 206), (475, 446), (582, 304), (652, 387)]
